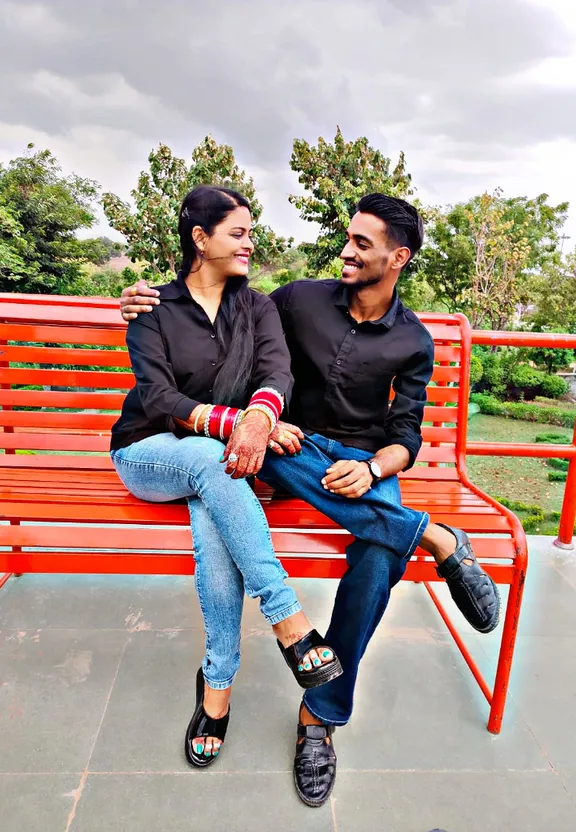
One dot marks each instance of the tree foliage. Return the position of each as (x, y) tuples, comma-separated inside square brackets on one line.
[(151, 226), (336, 175), (40, 212), (482, 254)]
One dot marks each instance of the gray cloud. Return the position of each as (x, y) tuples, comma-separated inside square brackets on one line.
[(257, 74)]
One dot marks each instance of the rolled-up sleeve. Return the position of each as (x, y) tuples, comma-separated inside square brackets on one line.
[(155, 380), (404, 421), (271, 355)]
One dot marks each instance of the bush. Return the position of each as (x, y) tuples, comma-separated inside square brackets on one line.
[(476, 369), (553, 438), (557, 476), (492, 406), (558, 464), (554, 387)]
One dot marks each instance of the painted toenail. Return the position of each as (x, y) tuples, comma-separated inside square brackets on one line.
[(307, 665), (326, 654), (300, 667), (199, 749), (316, 662)]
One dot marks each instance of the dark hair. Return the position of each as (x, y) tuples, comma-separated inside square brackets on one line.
[(207, 206), (404, 224)]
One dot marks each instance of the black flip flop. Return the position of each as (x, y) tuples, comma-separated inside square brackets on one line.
[(202, 725), (319, 675)]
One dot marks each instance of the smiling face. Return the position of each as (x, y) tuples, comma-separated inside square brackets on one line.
[(229, 248), (369, 255)]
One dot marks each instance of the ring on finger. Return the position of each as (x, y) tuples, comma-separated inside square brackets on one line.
[(233, 458)]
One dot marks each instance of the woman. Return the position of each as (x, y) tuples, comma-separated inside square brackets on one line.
[(212, 371)]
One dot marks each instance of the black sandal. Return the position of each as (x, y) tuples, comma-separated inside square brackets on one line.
[(314, 764), (320, 675), (202, 725)]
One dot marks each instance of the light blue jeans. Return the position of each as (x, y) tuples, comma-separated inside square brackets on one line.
[(232, 545)]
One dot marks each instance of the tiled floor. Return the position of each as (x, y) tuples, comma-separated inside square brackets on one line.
[(96, 689)]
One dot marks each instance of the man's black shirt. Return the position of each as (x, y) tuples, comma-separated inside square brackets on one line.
[(176, 356), (343, 371)]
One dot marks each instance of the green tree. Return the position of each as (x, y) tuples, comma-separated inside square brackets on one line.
[(151, 227), (40, 212), (482, 255), (554, 293), (336, 175), (100, 250)]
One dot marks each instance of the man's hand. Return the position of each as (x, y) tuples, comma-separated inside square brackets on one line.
[(137, 298), (286, 438), (249, 442), (348, 478)]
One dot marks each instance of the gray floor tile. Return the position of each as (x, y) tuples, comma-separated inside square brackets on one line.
[(544, 688), (196, 801), (54, 685), (414, 802), (568, 779), (99, 602), (418, 707), (36, 802), (153, 701)]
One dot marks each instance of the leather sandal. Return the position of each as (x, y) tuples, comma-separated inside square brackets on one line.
[(473, 591), (314, 764), (203, 725), (318, 675)]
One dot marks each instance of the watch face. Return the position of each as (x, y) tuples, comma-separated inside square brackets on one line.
[(376, 470)]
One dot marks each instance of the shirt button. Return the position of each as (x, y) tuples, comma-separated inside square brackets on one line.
[(212, 336), (352, 332), (210, 391), (338, 362), (213, 363)]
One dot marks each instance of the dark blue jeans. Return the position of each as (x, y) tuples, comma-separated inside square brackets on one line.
[(386, 532)]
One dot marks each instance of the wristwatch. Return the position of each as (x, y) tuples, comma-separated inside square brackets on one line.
[(375, 470)]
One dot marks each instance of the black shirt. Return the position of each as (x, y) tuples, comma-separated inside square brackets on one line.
[(176, 356), (343, 370)]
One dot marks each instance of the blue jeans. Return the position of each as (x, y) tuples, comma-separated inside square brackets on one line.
[(387, 533), (232, 545)]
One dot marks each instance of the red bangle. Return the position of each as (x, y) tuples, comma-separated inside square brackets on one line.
[(214, 421), (228, 425), (270, 398)]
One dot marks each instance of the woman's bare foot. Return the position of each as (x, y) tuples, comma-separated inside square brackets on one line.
[(216, 704), (294, 628)]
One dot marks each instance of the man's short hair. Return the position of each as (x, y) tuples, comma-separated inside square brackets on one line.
[(404, 224)]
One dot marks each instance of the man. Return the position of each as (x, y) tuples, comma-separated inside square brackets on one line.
[(351, 341)]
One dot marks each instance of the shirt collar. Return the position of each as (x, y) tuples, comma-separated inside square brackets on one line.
[(387, 320), (177, 288)]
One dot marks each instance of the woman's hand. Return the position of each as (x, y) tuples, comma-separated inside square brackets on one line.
[(248, 442), (286, 438)]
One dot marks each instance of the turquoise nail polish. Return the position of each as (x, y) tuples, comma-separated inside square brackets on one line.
[(199, 748), (222, 459), (307, 666), (316, 662), (300, 668), (326, 654), (215, 753)]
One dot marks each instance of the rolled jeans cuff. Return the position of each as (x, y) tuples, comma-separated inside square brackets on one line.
[(282, 616)]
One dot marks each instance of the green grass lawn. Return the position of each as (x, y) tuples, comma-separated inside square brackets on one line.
[(525, 480)]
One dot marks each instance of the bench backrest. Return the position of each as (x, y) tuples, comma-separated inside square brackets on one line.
[(64, 372)]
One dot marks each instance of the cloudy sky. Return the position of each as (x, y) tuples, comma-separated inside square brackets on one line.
[(478, 93)]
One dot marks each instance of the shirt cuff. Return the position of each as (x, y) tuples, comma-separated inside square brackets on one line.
[(184, 409)]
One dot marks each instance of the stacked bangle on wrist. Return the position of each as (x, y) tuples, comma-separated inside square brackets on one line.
[(219, 421), (267, 401)]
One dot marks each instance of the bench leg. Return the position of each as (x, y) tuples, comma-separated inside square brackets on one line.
[(4, 578), (506, 651)]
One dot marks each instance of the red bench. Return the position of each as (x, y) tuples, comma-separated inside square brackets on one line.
[(71, 350)]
